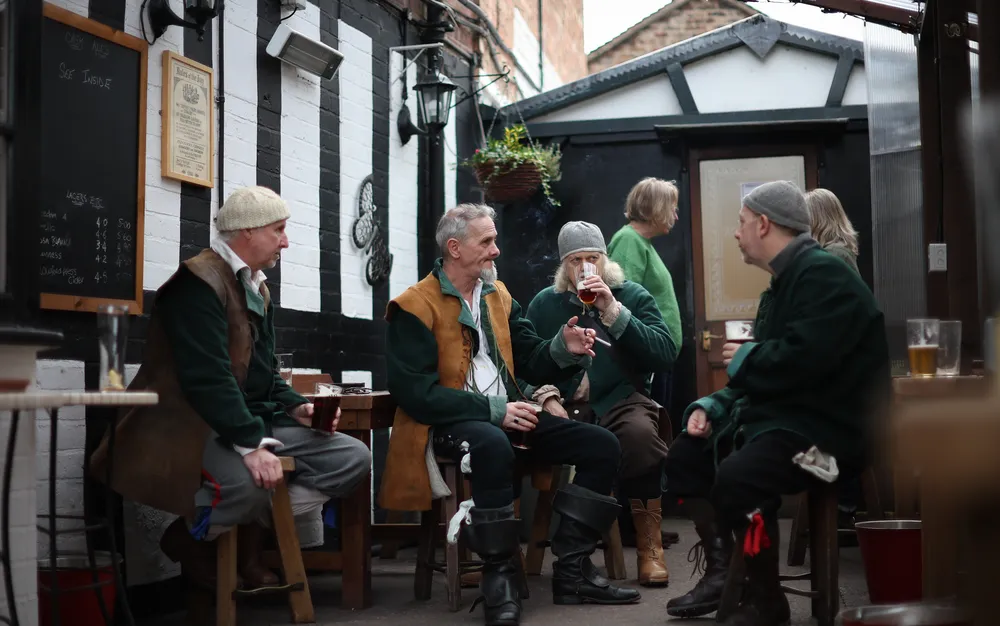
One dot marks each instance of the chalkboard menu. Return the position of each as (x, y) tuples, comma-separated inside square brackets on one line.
[(93, 164)]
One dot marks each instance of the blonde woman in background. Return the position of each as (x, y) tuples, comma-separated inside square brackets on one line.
[(651, 210), (833, 231), (830, 227)]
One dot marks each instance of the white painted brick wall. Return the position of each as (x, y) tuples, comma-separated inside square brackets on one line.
[(403, 180), (356, 127), (450, 162), (163, 196), (300, 155), (241, 94), (23, 559), (71, 437)]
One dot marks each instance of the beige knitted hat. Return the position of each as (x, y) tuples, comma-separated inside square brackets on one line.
[(251, 207)]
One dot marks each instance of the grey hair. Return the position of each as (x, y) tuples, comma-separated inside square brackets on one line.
[(454, 224), (228, 235)]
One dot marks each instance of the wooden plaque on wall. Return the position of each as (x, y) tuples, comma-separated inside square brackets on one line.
[(188, 140)]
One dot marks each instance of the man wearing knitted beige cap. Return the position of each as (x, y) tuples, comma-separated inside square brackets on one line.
[(801, 394), (614, 391), (208, 451)]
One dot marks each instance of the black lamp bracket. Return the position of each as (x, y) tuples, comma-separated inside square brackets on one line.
[(504, 76), (161, 17)]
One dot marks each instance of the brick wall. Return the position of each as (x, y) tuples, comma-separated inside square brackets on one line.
[(517, 25), (312, 140), (694, 18)]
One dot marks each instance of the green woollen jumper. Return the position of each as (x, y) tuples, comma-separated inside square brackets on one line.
[(642, 264)]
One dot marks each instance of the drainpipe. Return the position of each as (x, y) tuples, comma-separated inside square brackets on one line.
[(434, 208), (541, 50)]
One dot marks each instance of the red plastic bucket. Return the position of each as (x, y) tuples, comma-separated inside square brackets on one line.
[(904, 615), (76, 606), (892, 557)]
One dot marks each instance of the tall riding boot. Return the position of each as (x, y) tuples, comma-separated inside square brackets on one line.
[(249, 547), (585, 516), (197, 558), (493, 536), (473, 579), (649, 543), (711, 554), (764, 603)]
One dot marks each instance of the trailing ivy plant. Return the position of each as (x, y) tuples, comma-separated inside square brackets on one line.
[(513, 151)]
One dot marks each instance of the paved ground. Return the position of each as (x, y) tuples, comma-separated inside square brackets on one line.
[(392, 587)]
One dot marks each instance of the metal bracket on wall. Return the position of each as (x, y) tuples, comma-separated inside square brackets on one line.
[(366, 235)]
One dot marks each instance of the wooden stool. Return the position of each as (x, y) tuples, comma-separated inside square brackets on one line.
[(799, 536), (546, 484), (296, 584), (453, 566), (821, 503)]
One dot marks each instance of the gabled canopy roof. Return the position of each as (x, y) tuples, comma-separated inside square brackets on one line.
[(760, 33)]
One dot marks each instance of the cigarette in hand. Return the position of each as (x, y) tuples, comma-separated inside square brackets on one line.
[(602, 342)]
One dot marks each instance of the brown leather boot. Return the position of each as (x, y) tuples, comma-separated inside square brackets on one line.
[(649, 543), (249, 549), (197, 558)]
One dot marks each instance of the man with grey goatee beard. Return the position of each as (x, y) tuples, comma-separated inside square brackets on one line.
[(454, 343)]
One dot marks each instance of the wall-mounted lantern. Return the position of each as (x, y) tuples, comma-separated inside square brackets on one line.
[(201, 12), (434, 94)]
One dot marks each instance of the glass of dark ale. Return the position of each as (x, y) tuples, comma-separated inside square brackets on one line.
[(519, 438), (922, 340), (586, 296), (325, 405)]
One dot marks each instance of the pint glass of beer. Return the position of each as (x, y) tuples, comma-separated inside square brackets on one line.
[(922, 340), (586, 296)]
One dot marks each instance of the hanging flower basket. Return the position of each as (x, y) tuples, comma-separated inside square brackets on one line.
[(509, 184), (513, 168)]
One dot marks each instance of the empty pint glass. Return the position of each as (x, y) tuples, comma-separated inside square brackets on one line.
[(922, 336)]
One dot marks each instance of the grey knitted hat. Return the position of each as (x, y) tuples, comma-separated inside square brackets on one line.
[(580, 237), (782, 202), (251, 207)]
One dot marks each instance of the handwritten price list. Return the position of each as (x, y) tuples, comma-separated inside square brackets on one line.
[(89, 212)]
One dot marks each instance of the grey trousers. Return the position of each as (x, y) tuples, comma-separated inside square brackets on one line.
[(331, 464)]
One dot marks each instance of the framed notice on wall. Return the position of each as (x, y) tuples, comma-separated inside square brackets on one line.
[(188, 121)]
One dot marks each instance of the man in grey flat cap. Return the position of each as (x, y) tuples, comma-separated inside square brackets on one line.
[(614, 391), (813, 377)]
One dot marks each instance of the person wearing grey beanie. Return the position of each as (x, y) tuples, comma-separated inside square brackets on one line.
[(809, 384), (224, 409), (615, 390), (773, 216)]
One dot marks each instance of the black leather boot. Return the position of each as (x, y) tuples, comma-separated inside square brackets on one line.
[(585, 516), (764, 603), (493, 536), (711, 554)]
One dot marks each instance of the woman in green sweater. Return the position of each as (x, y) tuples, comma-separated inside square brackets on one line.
[(651, 210)]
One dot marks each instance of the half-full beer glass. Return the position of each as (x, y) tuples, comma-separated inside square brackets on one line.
[(586, 296), (112, 338), (922, 337)]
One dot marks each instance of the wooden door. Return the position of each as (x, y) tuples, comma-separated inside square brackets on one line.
[(725, 288)]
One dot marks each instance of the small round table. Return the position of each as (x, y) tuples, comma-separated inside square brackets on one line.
[(52, 401)]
